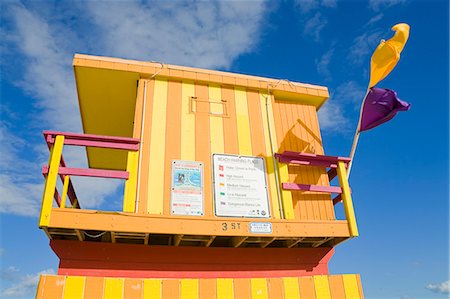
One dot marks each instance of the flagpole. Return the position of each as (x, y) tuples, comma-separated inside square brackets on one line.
[(356, 137)]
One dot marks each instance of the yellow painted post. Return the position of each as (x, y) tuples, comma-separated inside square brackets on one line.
[(259, 288), (74, 287), (64, 192), (189, 289), (347, 199), (243, 122), (350, 286), (322, 287), (113, 288), (225, 288), (152, 288), (286, 196), (129, 198), (291, 289), (50, 182)]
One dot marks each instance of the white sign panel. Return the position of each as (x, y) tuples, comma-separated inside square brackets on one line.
[(187, 188), (240, 188), (260, 227)]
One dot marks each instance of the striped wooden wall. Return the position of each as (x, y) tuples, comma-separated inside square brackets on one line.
[(222, 119), (346, 286)]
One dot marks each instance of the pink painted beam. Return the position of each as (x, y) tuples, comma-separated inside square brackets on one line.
[(98, 173), (102, 144), (92, 137), (314, 188), (310, 159)]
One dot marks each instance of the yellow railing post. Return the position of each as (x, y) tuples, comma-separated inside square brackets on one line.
[(50, 182), (64, 193), (129, 198), (347, 199), (286, 196)]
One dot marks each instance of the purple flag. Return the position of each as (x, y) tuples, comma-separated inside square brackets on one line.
[(380, 106)]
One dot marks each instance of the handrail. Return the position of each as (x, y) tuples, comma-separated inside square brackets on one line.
[(337, 167), (57, 167)]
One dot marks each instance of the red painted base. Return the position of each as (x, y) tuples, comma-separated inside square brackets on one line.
[(139, 261)]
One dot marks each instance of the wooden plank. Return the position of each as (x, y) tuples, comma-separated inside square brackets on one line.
[(237, 241), (50, 182), (187, 122), (322, 287), (207, 288), (90, 172), (312, 188), (242, 288), (347, 199), (64, 192), (336, 286), (225, 288), (152, 288), (351, 286), (275, 287), (130, 191), (113, 288), (89, 137), (93, 287), (173, 138), (243, 124), (259, 288), (307, 287), (271, 181), (133, 288), (291, 288), (157, 149), (216, 119), (170, 288), (144, 166), (177, 239), (189, 289), (231, 145)]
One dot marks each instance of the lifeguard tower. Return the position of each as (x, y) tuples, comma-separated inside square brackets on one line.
[(228, 193)]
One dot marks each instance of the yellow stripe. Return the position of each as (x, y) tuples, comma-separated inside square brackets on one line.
[(286, 195), (259, 288), (350, 286), (322, 287), (187, 123), (347, 199), (189, 289), (129, 198), (270, 158), (291, 290), (113, 288), (216, 119), (225, 288), (157, 148), (64, 192), (243, 124), (74, 287), (50, 182), (152, 288)]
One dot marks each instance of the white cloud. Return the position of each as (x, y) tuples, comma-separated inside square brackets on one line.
[(350, 93), (45, 37), (375, 19), (323, 63), (332, 119), (314, 26), (26, 286), (363, 46), (376, 5), (443, 287)]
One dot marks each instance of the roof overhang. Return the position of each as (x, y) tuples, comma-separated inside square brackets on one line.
[(107, 89)]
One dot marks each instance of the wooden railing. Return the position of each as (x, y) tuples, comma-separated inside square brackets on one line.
[(57, 168), (336, 166)]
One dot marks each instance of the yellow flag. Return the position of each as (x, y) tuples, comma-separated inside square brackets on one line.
[(387, 54)]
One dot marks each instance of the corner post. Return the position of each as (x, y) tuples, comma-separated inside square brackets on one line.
[(347, 199)]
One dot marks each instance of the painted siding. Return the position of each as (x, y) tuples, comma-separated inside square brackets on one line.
[(346, 286)]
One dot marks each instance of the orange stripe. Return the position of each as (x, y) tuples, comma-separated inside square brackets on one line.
[(360, 289), (230, 122), (336, 286), (171, 288), (242, 288), (202, 146), (145, 164), (132, 288), (307, 287), (53, 287), (93, 287), (275, 288), (173, 137), (207, 288)]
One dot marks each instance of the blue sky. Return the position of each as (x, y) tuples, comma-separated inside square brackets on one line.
[(400, 173)]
